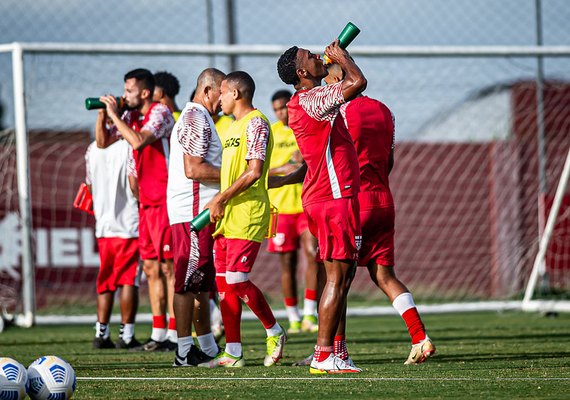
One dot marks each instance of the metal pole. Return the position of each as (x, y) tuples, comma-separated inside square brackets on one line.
[(23, 168), (548, 230), (541, 152), (231, 33), (210, 22)]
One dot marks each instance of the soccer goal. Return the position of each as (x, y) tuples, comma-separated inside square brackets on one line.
[(474, 135)]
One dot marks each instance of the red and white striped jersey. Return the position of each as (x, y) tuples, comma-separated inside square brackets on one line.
[(195, 135), (325, 144), (151, 162)]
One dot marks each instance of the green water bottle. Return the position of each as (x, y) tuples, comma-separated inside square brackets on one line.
[(200, 221), (93, 103), (345, 38)]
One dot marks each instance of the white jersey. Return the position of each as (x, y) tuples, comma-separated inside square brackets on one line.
[(116, 209), (195, 135)]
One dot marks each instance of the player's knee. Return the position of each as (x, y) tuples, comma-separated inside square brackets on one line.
[(167, 270), (151, 269)]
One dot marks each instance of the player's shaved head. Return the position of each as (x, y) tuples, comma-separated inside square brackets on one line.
[(243, 83), (210, 77), (336, 71)]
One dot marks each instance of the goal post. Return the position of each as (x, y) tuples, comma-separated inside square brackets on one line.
[(528, 304), (450, 191)]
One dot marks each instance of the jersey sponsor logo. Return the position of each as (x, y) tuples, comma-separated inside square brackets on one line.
[(231, 142), (283, 145)]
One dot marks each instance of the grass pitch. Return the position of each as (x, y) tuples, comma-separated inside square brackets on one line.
[(483, 355)]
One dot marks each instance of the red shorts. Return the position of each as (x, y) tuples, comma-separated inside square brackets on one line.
[(234, 255), (336, 225), (155, 236), (119, 263), (377, 236), (193, 264), (289, 230)]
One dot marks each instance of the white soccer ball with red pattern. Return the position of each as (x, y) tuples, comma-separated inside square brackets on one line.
[(13, 379), (50, 377)]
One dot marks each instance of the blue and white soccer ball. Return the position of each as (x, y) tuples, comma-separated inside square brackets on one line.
[(13, 379), (50, 378)]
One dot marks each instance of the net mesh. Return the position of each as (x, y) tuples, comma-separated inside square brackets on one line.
[(465, 180)]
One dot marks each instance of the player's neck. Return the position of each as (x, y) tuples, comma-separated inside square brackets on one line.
[(170, 104), (307, 84), (242, 109), (145, 107)]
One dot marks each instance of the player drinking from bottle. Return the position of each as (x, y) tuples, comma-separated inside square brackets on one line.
[(146, 125), (331, 184)]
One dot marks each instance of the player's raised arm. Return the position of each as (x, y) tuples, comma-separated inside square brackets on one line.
[(354, 81), (103, 136)]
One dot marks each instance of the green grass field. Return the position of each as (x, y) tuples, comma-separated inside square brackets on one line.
[(483, 355)]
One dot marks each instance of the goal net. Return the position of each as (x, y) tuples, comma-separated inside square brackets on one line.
[(465, 181)]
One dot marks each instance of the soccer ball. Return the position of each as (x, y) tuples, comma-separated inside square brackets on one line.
[(52, 378), (13, 379)]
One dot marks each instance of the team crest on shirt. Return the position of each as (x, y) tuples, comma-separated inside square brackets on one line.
[(279, 239), (358, 242)]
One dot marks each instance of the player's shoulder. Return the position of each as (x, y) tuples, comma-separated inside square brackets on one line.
[(277, 126)]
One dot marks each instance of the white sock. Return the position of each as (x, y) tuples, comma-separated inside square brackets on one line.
[(293, 313), (102, 330), (208, 344), (172, 335), (184, 345), (127, 332), (310, 307), (215, 314), (403, 302), (274, 330), (233, 349), (158, 334)]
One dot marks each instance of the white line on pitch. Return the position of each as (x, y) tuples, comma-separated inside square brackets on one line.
[(97, 378)]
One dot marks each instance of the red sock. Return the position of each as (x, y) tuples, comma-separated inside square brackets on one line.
[(290, 301), (340, 349), (322, 352), (255, 300), (172, 323), (415, 325), (230, 306), (159, 321), (311, 294)]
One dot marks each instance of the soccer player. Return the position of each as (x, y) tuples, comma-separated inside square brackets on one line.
[(117, 231), (166, 88), (371, 126), (193, 180), (331, 184), (292, 225), (241, 210), (146, 125)]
